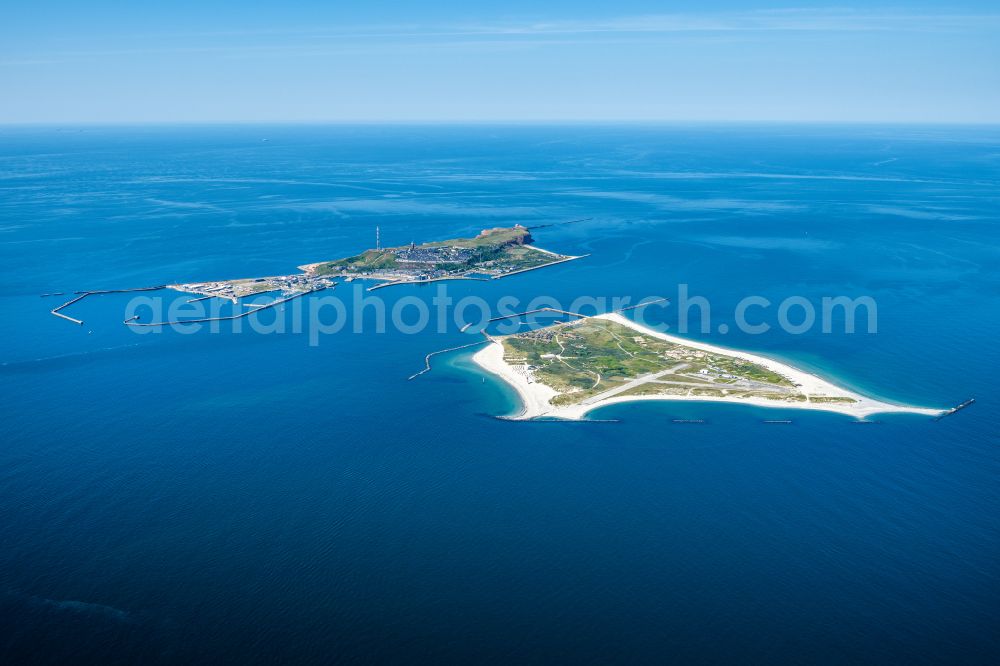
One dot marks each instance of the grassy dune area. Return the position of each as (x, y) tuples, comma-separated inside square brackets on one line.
[(587, 358)]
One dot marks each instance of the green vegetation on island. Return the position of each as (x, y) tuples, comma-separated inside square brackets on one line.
[(492, 254), (592, 359)]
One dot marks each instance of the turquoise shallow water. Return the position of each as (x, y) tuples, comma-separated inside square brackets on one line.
[(249, 497)]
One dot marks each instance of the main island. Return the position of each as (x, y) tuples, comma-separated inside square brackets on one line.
[(565, 370), (492, 254)]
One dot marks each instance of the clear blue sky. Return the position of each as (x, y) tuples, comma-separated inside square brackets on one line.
[(507, 60)]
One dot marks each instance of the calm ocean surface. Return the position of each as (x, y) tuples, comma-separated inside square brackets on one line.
[(246, 497)]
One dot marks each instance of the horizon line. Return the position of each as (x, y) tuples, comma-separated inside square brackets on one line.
[(501, 121)]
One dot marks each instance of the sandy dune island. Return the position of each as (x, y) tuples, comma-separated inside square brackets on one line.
[(802, 390)]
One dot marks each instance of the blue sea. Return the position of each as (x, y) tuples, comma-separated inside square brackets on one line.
[(263, 497)]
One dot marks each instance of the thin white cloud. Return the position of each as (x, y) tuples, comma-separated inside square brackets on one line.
[(818, 19), (766, 20), (322, 40)]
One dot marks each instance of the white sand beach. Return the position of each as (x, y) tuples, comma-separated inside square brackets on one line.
[(535, 396)]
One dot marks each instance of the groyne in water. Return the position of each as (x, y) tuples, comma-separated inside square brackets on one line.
[(956, 408), (427, 359), (642, 305), (525, 313), (83, 294), (466, 327), (559, 224)]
